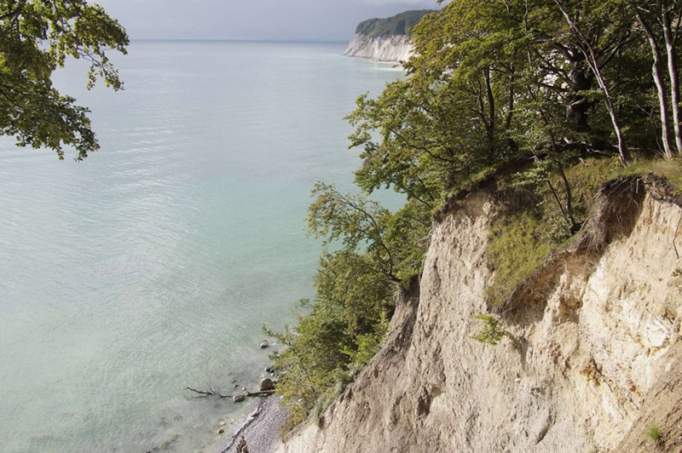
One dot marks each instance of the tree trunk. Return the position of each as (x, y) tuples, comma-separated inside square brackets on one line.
[(578, 104), (656, 70), (491, 109), (622, 150), (575, 226), (587, 50), (674, 76), (510, 101)]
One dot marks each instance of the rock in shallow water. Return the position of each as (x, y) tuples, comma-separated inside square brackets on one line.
[(267, 385)]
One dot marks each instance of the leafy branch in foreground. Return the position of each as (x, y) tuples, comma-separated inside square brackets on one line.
[(36, 38)]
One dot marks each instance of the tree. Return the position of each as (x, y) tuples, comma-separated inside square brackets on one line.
[(393, 243), (375, 251), (337, 333), (600, 30), (670, 9), (658, 77), (449, 122), (660, 21), (36, 38)]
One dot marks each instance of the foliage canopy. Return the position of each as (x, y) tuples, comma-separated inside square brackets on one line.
[(36, 38), (400, 24)]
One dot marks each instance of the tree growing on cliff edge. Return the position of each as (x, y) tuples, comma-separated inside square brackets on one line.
[(375, 251), (36, 38), (392, 242)]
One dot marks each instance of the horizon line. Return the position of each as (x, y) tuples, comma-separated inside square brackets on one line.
[(254, 40)]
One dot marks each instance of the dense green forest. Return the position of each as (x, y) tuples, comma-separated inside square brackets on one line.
[(543, 99), (400, 24)]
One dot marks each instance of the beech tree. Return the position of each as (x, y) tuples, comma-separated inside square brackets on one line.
[(668, 11), (659, 80), (660, 22), (600, 30), (36, 38)]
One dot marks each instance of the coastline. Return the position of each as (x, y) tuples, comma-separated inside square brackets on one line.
[(393, 49), (261, 429)]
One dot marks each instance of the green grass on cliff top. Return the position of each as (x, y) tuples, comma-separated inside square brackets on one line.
[(521, 241)]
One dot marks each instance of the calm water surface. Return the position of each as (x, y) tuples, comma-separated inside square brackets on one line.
[(153, 265)]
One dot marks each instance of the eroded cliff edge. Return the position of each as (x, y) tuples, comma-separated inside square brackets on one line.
[(593, 359)]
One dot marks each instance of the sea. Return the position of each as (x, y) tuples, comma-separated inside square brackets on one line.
[(154, 264)]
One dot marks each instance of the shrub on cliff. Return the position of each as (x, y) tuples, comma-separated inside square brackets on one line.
[(343, 327)]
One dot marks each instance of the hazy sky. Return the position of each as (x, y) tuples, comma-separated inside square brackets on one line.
[(327, 20)]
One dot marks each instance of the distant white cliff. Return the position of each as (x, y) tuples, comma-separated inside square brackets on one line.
[(385, 39), (389, 48)]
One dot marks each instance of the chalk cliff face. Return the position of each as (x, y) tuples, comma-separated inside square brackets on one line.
[(385, 39), (386, 48), (592, 360)]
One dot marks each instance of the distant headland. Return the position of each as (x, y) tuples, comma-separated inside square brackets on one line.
[(385, 39)]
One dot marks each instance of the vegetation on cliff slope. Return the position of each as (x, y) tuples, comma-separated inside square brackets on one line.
[(540, 99), (529, 229), (343, 327)]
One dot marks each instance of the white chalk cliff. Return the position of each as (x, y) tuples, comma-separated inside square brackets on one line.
[(384, 48), (594, 358), (385, 39)]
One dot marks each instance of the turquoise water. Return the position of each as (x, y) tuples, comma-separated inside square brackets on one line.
[(153, 265)]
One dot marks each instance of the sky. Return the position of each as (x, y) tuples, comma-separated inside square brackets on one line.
[(306, 20)]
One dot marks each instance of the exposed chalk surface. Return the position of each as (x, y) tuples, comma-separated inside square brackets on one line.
[(389, 49)]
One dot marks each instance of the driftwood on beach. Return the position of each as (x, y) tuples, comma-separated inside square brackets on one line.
[(217, 394)]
